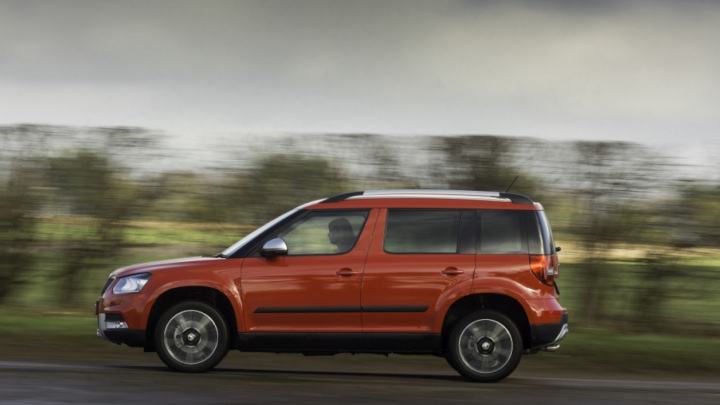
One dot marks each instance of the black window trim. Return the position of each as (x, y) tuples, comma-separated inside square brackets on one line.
[(548, 242)]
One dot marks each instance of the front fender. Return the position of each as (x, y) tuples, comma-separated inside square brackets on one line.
[(220, 278)]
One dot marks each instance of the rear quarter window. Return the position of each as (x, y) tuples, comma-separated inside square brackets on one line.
[(501, 232)]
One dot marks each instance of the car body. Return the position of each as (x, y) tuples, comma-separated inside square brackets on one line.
[(468, 275)]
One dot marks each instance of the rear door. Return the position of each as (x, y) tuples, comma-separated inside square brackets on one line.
[(419, 261)]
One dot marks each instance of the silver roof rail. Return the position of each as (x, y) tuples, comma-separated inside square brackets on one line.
[(434, 192), (515, 198)]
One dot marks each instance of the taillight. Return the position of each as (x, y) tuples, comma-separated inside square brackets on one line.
[(545, 268)]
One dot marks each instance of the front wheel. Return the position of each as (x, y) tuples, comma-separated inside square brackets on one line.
[(485, 346), (191, 337)]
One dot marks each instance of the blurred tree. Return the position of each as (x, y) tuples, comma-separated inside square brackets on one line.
[(377, 161), (697, 213), (86, 184), (677, 227), (83, 182), (481, 162), (93, 180), (610, 194), (20, 202), (280, 182), (187, 196), (610, 180), (373, 161)]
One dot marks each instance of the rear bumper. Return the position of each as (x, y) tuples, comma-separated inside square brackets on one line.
[(547, 336)]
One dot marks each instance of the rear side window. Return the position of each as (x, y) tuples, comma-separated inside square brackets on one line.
[(422, 231), (501, 232)]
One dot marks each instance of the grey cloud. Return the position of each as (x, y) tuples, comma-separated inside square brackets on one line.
[(557, 68)]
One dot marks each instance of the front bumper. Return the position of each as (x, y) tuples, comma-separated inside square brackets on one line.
[(112, 327)]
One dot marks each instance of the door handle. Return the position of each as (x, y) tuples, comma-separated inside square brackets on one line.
[(452, 271), (345, 272)]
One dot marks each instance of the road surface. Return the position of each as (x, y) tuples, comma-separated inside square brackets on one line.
[(251, 378)]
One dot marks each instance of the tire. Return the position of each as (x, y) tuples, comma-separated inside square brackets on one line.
[(191, 337), (484, 346)]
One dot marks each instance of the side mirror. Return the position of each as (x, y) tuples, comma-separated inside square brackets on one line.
[(274, 247)]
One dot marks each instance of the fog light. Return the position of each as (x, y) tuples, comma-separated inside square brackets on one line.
[(115, 325)]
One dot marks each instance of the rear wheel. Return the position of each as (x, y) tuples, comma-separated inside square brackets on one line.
[(191, 337), (485, 346)]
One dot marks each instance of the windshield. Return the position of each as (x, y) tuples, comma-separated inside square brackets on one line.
[(237, 245)]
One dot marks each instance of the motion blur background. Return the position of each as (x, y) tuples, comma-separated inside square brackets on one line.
[(134, 131)]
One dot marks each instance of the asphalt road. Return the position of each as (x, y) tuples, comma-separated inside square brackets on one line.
[(293, 379)]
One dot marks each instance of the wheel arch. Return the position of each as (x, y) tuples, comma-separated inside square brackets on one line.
[(208, 295), (503, 304)]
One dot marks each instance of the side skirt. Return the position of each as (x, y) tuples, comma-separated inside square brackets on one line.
[(333, 343)]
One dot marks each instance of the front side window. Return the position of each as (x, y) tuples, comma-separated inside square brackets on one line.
[(422, 231), (501, 232), (324, 232)]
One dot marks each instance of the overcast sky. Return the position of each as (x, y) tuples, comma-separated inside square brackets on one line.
[(645, 71)]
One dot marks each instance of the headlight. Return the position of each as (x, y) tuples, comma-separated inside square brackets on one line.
[(131, 284)]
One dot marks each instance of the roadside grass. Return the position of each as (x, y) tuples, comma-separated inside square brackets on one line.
[(64, 323), (691, 296), (641, 352), (59, 337), (68, 336)]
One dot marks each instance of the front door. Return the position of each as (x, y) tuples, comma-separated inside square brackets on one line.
[(316, 286)]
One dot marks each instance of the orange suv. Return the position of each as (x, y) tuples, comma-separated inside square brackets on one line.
[(467, 275)]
